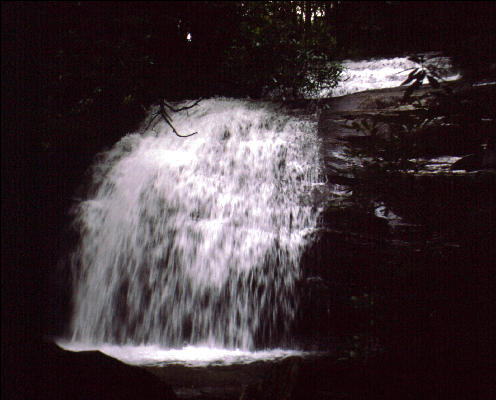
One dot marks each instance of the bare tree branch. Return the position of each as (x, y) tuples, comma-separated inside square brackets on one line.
[(167, 118), (150, 122)]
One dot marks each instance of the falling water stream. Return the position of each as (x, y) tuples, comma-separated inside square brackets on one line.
[(196, 241)]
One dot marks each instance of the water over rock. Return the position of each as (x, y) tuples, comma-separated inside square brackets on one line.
[(197, 240)]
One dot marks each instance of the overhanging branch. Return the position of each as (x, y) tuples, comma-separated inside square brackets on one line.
[(167, 118)]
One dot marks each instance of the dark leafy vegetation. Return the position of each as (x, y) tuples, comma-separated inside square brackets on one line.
[(98, 65), (283, 48)]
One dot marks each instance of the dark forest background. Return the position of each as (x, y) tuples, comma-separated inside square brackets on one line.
[(77, 76)]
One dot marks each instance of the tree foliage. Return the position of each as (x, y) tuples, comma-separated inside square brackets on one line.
[(282, 48), (96, 65), (87, 69)]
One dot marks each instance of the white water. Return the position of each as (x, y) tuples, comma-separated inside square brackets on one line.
[(386, 73), (193, 356), (197, 241)]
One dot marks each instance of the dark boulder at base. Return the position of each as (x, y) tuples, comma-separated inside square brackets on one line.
[(92, 375)]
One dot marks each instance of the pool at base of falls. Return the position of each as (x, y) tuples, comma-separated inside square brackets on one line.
[(194, 356)]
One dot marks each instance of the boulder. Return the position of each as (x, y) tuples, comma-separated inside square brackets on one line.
[(92, 375)]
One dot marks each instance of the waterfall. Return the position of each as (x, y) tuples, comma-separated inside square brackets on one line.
[(197, 240)]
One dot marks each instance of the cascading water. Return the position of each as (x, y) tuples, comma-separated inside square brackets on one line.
[(197, 240), (384, 73), (190, 247)]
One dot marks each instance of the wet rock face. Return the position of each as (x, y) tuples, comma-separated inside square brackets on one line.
[(403, 292)]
